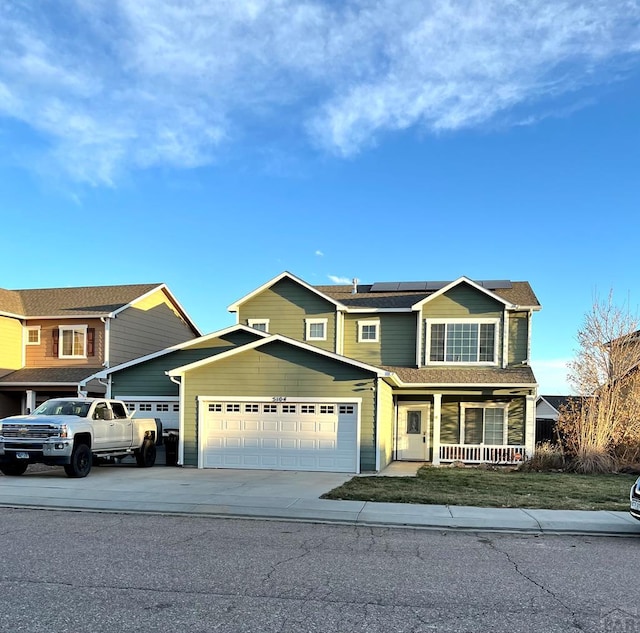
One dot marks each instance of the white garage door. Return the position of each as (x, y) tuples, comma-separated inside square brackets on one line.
[(316, 436), (168, 411)]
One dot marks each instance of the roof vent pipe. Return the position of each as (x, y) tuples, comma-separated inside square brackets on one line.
[(355, 286)]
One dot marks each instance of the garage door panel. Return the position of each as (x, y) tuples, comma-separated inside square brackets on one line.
[(291, 436)]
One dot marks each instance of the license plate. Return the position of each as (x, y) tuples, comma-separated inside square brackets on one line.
[(22, 455), (635, 504)]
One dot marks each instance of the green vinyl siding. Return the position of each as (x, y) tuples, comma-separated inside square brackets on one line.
[(280, 370), (518, 337), (450, 418), (460, 302), (386, 423), (286, 305), (149, 379), (465, 303), (396, 343)]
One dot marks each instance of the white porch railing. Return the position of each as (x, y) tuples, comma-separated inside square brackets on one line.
[(481, 454)]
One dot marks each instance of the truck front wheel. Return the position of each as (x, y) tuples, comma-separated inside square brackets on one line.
[(81, 460), (146, 456), (13, 470)]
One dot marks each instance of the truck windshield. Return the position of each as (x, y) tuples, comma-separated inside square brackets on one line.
[(63, 407)]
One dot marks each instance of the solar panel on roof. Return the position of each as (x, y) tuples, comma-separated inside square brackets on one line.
[(384, 286), (437, 285), (412, 285)]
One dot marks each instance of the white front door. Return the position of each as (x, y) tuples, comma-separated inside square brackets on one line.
[(412, 436)]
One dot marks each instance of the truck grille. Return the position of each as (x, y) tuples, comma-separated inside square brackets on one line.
[(23, 432)]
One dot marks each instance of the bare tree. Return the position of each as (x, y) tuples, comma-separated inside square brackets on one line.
[(602, 425)]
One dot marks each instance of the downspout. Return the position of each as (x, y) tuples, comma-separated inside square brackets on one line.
[(107, 340), (178, 382)]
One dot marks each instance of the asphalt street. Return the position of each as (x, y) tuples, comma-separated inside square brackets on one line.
[(74, 572)]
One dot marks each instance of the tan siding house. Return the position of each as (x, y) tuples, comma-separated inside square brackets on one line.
[(53, 340)]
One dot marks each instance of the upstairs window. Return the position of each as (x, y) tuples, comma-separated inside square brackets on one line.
[(77, 341), (462, 342), (316, 329), (33, 335), (368, 331), (259, 324)]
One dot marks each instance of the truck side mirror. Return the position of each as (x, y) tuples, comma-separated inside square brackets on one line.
[(108, 414)]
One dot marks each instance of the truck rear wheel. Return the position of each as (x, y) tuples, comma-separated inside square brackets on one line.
[(81, 460), (146, 456), (13, 470)]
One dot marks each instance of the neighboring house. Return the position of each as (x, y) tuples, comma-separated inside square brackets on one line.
[(53, 340), (547, 414), (349, 378)]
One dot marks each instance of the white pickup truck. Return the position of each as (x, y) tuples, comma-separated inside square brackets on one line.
[(73, 432)]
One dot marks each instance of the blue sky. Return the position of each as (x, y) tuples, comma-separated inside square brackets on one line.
[(212, 145)]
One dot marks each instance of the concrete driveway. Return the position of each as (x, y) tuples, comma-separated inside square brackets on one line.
[(128, 488), (269, 494)]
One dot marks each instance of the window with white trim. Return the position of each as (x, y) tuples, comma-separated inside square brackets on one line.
[(483, 424), (259, 324), (33, 335), (73, 341), (368, 331), (316, 329), (462, 342)]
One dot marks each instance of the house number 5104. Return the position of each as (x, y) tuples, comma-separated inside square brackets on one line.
[(279, 399)]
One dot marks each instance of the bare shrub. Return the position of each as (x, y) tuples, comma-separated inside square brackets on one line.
[(606, 374), (548, 457)]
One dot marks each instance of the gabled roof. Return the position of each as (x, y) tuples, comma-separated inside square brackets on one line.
[(104, 373), (284, 275), (514, 294), (84, 301), (555, 402), (518, 294), (178, 371)]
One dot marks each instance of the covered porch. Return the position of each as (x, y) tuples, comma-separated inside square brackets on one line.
[(470, 428)]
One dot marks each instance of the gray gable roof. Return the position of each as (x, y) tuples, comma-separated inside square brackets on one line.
[(520, 294), (48, 375), (64, 302)]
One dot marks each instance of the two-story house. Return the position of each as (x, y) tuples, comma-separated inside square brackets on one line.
[(349, 378), (53, 340)]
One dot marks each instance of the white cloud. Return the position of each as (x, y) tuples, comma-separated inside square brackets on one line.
[(319, 253), (339, 280), (114, 85)]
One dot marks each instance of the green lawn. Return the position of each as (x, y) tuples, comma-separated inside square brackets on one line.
[(493, 489)]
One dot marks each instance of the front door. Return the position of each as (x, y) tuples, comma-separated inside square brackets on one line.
[(412, 437)]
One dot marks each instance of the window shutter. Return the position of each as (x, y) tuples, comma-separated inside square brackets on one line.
[(91, 338), (56, 339)]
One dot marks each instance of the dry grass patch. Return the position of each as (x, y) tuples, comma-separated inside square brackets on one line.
[(493, 488)]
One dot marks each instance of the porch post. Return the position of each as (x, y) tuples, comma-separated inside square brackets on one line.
[(31, 401), (437, 405), (530, 426)]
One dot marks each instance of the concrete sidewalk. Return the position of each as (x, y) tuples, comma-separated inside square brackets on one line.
[(278, 495)]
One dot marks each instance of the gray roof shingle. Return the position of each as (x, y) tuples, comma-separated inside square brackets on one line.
[(520, 294), (465, 375), (62, 375), (61, 302)]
